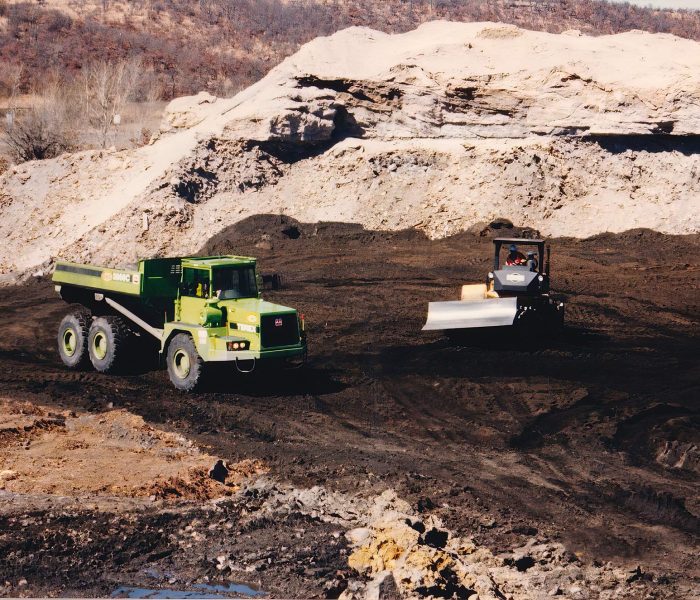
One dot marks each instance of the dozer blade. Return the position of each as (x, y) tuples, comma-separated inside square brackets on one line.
[(460, 314)]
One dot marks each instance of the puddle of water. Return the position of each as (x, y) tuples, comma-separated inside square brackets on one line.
[(231, 588), (135, 592), (200, 590)]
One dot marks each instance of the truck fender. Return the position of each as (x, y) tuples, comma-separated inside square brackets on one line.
[(193, 332), (166, 340)]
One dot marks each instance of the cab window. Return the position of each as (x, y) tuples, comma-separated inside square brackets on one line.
[(195, 282), (235, 282)]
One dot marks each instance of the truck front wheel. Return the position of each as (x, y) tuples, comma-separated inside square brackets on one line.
[(107, 344), (73, 339), (185, 366)]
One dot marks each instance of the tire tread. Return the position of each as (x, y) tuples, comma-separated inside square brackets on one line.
[(83, 317), (194, 380), (118, 352)]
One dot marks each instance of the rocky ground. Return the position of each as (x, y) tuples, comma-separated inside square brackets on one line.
[(397, 463)]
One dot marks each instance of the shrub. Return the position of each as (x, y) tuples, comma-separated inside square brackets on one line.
[(40, 132)]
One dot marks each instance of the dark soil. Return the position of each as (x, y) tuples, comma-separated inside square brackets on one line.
[(504, 438)]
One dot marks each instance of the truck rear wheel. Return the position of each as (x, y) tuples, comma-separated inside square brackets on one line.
[(107, 344), (73, 339), (185, 366)]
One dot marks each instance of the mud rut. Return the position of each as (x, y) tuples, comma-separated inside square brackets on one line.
[(504, 439)]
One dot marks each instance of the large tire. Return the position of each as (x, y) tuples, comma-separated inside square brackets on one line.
[(73, 339), (185, 365), (108, 344)]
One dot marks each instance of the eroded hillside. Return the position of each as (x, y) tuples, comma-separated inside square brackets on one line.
[(440, 128)]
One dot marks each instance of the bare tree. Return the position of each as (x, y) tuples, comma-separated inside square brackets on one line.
[(107, 87), (15, 82)]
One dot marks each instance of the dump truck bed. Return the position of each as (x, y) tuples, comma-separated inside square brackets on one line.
[(154, 278)]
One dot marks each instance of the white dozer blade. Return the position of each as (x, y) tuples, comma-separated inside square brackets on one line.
[(468, 314)]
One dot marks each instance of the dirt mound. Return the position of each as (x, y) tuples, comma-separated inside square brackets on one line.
[(443, 127), (112, 453), (198, 483)]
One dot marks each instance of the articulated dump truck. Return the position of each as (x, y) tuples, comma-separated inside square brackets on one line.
[(199, 310)]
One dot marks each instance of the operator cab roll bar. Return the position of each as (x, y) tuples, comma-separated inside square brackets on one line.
[(540, 244)]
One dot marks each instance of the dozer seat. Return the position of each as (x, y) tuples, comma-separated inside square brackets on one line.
[(476, 291)]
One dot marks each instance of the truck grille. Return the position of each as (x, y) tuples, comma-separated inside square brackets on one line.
[(279, 330)]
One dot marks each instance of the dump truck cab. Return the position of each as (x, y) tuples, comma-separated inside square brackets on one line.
[(200, 309), (218, 300)]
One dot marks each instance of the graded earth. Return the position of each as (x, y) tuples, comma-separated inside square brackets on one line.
[(567, 467)]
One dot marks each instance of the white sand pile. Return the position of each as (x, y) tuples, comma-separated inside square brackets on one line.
[(438, 128)]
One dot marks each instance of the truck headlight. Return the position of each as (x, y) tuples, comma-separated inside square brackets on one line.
[(235, 346)]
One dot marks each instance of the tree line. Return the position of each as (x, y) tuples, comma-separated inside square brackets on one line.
[(181, 47)]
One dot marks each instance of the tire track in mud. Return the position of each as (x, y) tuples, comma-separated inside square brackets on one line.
[(59, 377)]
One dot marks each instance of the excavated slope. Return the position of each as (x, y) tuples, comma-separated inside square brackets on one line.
[(439, 128)]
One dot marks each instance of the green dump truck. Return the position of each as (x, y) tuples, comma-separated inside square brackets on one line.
[(198, 309)]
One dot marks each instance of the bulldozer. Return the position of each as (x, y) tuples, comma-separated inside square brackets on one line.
[(516, 294)]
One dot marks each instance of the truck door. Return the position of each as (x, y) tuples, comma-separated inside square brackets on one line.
[(194, 290)]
